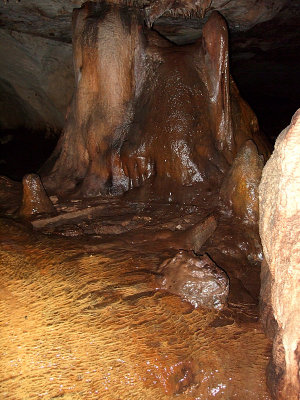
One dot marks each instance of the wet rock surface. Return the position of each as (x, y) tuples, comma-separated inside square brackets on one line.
[(279, 199), (196, 279), (239, 189), (84, 317), (36, 55), (162, 119), (35, 200), (162, 123)]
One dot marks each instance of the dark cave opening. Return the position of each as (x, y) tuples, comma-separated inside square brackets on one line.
[(24, 151)]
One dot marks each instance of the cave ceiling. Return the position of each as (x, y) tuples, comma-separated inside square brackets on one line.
[(36, 73)]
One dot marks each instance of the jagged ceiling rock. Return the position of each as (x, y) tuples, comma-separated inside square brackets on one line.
[(36, 61), (52, 19), (37, 81)]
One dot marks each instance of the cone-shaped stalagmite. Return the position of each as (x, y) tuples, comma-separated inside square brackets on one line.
[(35, 200)]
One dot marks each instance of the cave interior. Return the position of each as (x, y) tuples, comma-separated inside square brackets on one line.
[(134, 136)]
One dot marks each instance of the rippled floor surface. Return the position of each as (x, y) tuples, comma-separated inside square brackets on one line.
[(81, 318)]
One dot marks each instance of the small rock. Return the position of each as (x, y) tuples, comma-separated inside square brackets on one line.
[(68, 231), (197, 235), (35, 200), (197, 280), (54, 199)]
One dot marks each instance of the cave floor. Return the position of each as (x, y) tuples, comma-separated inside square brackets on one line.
[(82, 318)]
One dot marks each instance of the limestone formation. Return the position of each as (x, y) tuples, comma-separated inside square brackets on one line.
[(35, 200), (36, 51), (80, 320), (279, 196), (197, 280), (240, 187), (146, 113), (36, 81), (193, 238)]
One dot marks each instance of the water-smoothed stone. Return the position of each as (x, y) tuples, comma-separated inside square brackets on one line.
[(35, 200), (197, 280)]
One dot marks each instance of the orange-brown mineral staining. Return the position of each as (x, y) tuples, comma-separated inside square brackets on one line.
[(153, 132)]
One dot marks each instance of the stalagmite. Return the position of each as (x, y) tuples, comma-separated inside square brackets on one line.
[(35, 200), (147, 114), (239, 190)]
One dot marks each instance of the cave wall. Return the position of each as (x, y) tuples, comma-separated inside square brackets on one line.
[(279, 196), (36, 81)]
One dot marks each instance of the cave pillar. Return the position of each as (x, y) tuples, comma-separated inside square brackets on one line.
[(106, 46), (147, 114), (279, 196)]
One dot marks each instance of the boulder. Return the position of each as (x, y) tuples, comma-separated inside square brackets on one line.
[(197, 280)]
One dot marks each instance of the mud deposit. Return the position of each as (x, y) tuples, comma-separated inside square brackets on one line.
[(81, 316)]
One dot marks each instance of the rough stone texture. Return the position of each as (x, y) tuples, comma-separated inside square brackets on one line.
[(81, 320), (240, 187), (35, 200), (195, 237), (196, 279), (240, 14), (36, 81), (264, 40), (158, 116), (52, 18), (279, 196)]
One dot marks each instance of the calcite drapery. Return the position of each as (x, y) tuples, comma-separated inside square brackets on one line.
[(147, 113)]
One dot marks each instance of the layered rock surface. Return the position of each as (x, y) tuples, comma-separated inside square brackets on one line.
[(280, 233), (36, 81)]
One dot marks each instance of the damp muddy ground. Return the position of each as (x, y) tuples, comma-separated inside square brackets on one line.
[(82, 316)]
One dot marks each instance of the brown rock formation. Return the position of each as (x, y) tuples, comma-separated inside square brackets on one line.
[(194, 238), (81, 320), (197, 280), (35, 200), (253, 11), (280, 233), (240, 187), (147, 113), (37, 81)]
